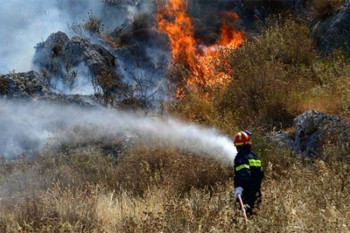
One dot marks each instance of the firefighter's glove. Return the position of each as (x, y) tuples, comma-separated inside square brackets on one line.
[(238, 191)]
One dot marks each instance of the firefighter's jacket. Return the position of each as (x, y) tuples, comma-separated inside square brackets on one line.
[(248, 170)]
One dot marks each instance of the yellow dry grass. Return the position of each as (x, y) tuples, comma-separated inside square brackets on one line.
[(298, 196)]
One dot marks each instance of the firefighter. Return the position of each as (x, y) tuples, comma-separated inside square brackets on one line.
[(248, 172)]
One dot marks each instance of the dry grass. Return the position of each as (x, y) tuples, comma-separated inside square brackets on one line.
[(180, 193)]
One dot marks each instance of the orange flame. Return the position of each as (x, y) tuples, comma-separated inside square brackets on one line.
[(174, 21), (230, 37)]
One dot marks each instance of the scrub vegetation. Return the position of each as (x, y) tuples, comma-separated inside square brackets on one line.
[(277, 76), (165, 190)]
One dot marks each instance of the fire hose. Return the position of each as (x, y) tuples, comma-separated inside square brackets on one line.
[(242, 206)]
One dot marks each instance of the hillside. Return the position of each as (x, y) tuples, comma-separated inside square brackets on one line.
[(118, 116)]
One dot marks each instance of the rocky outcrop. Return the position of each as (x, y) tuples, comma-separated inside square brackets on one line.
[(334, 32), (24, 85), (32, 85), (74, 67), (61, 57), (311, 131)]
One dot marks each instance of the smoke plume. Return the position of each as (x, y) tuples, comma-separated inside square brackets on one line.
[(27, 127), (25, 23)]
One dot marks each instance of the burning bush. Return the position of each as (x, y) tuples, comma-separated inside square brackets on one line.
[(264, 73), (199, 61)]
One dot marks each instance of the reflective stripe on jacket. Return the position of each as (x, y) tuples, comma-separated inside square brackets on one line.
[(248, 170)]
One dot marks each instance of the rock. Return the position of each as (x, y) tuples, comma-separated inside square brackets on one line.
[(61, 58), (283, 139), (334, 32), (100, 62), (47, 55), (311, 131), (33, 86), (30, 84)]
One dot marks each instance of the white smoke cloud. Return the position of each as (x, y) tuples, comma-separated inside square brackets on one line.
[(25, 23), (145, 6), (81, 84), (26, 127)]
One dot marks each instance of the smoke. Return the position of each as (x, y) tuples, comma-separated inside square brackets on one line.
[(21, 28), (82, 82), (25, 23), (27, 127)]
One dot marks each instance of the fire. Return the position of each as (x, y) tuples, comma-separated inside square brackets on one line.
[(201, 61), (175, 22), (230, 37)]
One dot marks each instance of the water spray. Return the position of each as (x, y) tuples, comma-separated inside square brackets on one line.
[(27, 127)]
